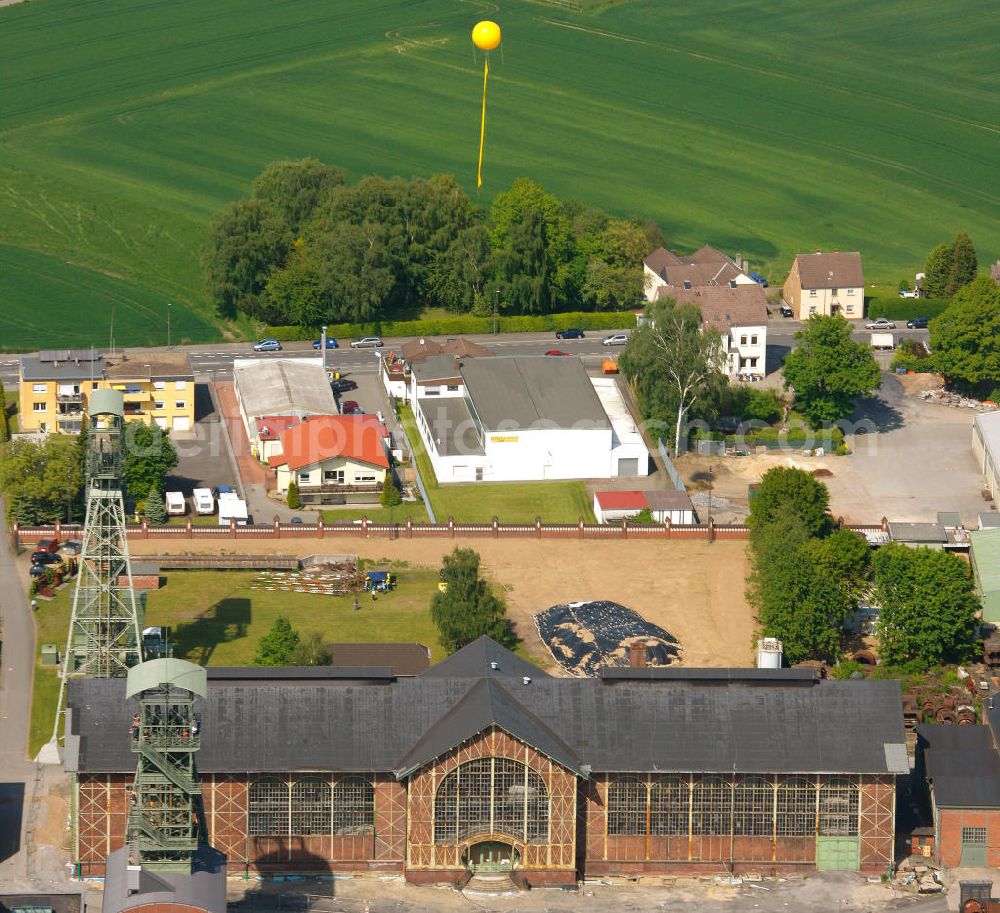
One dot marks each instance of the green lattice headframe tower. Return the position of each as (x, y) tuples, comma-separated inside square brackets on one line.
[(105, 418), (165, 798)]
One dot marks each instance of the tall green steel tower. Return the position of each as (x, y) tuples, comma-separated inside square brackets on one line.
[(164, 801)]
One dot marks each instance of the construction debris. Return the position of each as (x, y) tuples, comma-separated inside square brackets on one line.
[(945, 397), (322, 579)]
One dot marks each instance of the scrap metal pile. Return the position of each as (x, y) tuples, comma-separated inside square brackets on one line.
[(323, 579), (585, 636)]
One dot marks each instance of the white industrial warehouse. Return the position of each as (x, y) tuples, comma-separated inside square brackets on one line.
[(523, 418)]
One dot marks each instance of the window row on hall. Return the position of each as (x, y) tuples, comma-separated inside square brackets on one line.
[(748, 806), (310, 806)]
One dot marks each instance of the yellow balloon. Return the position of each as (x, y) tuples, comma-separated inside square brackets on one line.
[(486, 35)]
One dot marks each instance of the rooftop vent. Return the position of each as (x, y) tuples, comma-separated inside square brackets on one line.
[(526, 680)]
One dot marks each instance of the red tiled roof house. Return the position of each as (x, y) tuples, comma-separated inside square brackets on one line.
[(334, 459)]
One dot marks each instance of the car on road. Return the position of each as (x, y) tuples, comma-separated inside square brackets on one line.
[(47, 545), (267, 345), (331, 343), (572, 333), (367, 342), (918, 323), (44, 558), (343, 385), (880, 323), (786, 311), (556, 352), (350, 407), (618, 339)]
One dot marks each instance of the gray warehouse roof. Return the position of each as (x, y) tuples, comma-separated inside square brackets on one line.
[(962, 765), (518, 392), (714, 723), (283, 386)]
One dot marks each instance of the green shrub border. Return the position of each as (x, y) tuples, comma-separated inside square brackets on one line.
[(906, 308), (463, 324)]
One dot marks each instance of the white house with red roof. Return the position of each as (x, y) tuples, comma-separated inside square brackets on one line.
[(334, 459), (266, 443), (664, 506)]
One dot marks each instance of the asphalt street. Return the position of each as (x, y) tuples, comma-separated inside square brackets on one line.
[(215, 360)]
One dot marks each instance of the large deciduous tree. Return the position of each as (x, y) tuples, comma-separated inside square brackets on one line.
[(278, 645), (294, 189), (42, 481), (148, 455), (829, 370), (468, 608), (927, 606), (786, 489), (965, 339)]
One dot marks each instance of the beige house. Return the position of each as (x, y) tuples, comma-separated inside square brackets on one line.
[(826, 284), (55, 385), (333, 459)]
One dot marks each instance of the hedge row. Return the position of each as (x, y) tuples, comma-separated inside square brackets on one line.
[(464, 324), (906, 308)]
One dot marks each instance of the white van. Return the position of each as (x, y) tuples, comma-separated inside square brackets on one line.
[(204, 503), (175, 504)]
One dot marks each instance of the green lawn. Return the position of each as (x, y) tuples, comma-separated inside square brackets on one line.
[(514, 502), (217, 620), (843, 124), (415, 510)]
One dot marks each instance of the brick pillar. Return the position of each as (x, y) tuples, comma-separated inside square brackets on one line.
[(409, 527), (581, 527), (15, 536), (320, 528), (451, 526), (58, 529), (538, 527), (232, 527), (496, 527), (277, 527), (624, 527), (144, 528), (711, 529), (666, 528), (364, 527), (189, 527)]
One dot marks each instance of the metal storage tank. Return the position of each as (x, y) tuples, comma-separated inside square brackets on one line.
[(769, 653)]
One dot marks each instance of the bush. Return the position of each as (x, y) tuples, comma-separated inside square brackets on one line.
[(461, 325), (390, 493), (906, 308), (294, 501), (846, 668)]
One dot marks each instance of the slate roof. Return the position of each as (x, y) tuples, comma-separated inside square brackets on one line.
[(837, 269), (203, 888), (962, 764), (662, 499), (402, 658), (723, 307), (520, 392), (677, 723), (916, 532)]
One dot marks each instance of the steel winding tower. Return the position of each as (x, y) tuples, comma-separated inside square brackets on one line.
[(105, 633), (165, 798)]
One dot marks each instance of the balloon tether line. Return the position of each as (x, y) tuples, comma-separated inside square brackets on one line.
[(482, 125)]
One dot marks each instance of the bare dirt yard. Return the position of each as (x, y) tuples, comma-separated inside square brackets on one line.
[(695, 590)]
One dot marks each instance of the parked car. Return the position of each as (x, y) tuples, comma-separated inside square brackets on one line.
[(618, 339), (267, 345), (37, 570), (918, 323), (343, 385), (880, 323), (786, 311), (72, 546), (367, 342), (331, 343), (556, 352), (44, 558), (573, 333), (909, 293), (223, 490), (47, 545), (296, 521), (350, 407)]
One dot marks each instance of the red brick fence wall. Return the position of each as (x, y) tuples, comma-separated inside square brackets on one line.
[(704, 532)]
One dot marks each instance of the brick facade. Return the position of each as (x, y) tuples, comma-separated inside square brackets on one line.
[(952, 820)]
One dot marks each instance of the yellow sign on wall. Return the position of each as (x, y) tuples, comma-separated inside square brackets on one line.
[(503, 438)]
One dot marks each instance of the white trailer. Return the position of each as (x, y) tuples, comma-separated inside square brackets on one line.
[(176, 507), (232, 509), (883, 341), (204, 503)]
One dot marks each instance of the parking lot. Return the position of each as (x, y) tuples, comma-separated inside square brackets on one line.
[(204, 459)]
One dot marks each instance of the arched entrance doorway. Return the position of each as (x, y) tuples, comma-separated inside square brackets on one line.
[(492, 856)]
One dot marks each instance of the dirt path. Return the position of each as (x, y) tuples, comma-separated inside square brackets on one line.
[(695, 590)]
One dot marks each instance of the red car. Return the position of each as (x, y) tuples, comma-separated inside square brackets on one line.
[(350, 407), (556, 352), (47, 545)]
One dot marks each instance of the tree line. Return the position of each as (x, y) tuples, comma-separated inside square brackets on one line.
[(808, 578), (307, 248)]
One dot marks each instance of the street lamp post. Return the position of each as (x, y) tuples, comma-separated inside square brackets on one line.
[(322, 343), (496, 305), (169, 306)]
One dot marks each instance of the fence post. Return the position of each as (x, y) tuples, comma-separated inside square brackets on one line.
[(320, 527), (364, 527), (188, 524), (58, 529), (451, 526), (538, 527), (711, 529), (582, 529), (496, 527), (624, 527), (232, 527), (666, 527), (409, 527), (277, 527), (15, 535), (144, 528)]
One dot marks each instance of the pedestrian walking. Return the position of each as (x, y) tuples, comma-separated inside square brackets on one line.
[(356, 605)]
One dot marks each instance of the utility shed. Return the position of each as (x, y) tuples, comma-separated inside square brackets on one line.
[(985, 558)]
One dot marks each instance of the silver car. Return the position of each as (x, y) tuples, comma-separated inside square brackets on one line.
[(618, 339), (367, 342)]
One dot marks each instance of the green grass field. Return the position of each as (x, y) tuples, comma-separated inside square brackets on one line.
[(217, 620), (814, 123)]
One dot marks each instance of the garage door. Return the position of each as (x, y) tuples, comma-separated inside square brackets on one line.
[(838, 854), (974, 847), (182, 424), (161, 423), (629, 467)]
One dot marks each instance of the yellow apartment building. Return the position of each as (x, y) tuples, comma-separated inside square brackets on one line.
[(55, 386)]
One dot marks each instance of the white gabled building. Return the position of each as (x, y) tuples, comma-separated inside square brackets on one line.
[(665, 273), (521, 418)]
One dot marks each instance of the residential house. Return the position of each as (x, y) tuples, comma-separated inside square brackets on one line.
[(826, 284), (396, 368), (296, 387), (672, 507), (55, 386), (739, 313), (665, 273), (267, 439), (334, 459), (512, 418)]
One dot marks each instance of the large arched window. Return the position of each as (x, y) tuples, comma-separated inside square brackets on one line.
[(838, 808), (353, 807), (267, 807), (491, 796), (669, 803), (796, 815), (627, 801), (711, 802), (753, 808), (311, 806)]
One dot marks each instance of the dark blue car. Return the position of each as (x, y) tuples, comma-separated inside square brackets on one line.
[(331, 343)]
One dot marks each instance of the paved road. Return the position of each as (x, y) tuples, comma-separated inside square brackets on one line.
[(17, 772)]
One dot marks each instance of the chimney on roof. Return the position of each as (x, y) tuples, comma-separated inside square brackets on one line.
[(637, 655)]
